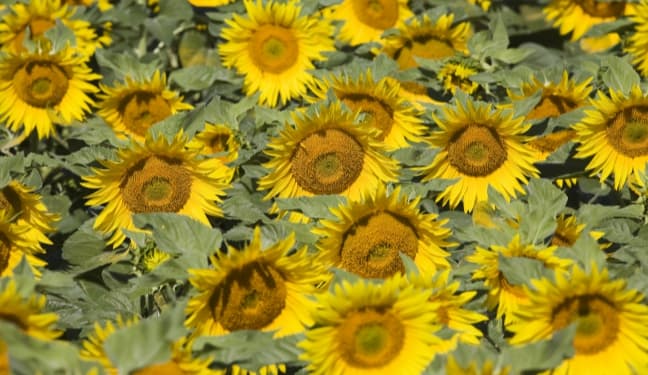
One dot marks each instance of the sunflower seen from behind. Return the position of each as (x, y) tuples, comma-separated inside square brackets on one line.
[(159, 175), (274, 46), (365, 21), (479, 147), (41, 89), (36, 17), (611, 319), (326, 152), (370, 328), (430, 39), (380, 104), (130, 109), (255, 288), (556, 98), (26, 313), (614, 136), (366, 237), (503, 294)]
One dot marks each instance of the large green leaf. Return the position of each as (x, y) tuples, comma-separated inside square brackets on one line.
[(148, 342)]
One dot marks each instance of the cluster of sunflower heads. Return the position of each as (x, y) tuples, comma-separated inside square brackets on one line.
[(214, 187)]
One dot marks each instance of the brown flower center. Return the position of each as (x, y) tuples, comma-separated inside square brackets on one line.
[(41, 84), (5, 252), (603, 9), (476, 151), (370, 338), (377, 114), (327, 162), (378, 14), (142, 109), (372, 247), (250, 297), (156, 184), (627, 132), (596, 318), (273, 48), (551, 106), (427, 47), (10, 201)]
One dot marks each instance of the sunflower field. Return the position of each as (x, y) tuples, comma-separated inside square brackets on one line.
[(242, 187)]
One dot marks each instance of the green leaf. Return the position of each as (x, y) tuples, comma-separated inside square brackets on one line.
[(9, 165), (251, 349), (198, 77), (179, 234), (148, 342), (543, 355), (519, 271), (545, 201), (313, 207), (33, 356), (618, 74), (61, 36), (83, 244)]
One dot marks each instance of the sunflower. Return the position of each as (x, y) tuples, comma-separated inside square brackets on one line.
[(153, 258), (451, 312), (456, 75), (216, 139), (37, 17), (326, 153), (367, 328), (17, 241), (381, 105), (422, 38), (132, 108), (610, 320), (502, 294), (26, 314), (481, 148), (157, 176), (578, 16), (615, 135), (22, 203), (414, 92), (274, 47), (93, 346), (568, 230), (556, 98), (255, 288), (367, 237), (637, 43), (40, 89), (365, 20)]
